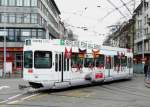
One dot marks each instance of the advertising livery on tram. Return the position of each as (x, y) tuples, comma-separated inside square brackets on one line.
[(57, 63)]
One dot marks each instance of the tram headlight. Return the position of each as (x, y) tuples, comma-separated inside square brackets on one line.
[(30, 71)]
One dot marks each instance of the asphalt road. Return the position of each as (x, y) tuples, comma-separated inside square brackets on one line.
[(131, 93)]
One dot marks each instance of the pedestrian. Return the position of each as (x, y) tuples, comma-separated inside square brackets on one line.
[(145, 69), (148, 73)]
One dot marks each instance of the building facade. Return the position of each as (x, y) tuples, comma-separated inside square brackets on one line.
[(142, 32), (123, 36), (22, 19)]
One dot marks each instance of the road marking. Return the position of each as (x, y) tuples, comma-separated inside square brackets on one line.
[(4, 101), (15, 96), (2, 87), (22, 99), (29, 96), (13, 102), (10, 98)]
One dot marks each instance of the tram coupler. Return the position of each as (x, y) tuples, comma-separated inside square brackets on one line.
[(22, 87)]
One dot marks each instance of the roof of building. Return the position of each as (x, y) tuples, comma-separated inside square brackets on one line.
[(53, 1), (139, 7)]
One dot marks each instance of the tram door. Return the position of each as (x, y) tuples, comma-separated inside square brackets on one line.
[(62, 67), (108, 66), (66, 69), (58, 66), (129, 65)]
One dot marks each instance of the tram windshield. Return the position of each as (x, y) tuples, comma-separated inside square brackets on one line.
[(28, 59), (99, 60), (89, 62), (42, 59), (76, 61)]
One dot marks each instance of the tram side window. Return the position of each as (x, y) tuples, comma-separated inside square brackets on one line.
[(42, 59), (76, 61), (60, 62), (108, 62), (28, 59), (89, 62), (64, 63), (124, 61), (99, 61), (68, 64), (116, 61), (130, 63), (56, 62)]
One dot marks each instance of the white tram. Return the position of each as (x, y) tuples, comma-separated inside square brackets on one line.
[(59, 63)]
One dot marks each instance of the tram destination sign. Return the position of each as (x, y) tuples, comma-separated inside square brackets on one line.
[(80, 44)]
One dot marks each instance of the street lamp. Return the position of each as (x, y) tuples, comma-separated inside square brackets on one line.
[(4, 34), (143, 61), (4, 42), (4, 51)]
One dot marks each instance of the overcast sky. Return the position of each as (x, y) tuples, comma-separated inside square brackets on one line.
[(96, 15)]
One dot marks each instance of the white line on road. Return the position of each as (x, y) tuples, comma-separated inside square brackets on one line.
[(2, 87), (3, 101), (22, 99), (29, 96), (15, 96), (10, 98), (13, 102)]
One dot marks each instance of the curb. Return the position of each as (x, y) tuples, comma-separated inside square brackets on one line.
[(147, 85)]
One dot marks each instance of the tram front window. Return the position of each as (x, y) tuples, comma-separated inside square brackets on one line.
[(28, 59), (89, 62), (42, 59), (76, 61), (99, 61)]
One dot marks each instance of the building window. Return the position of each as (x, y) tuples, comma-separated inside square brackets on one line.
[(26, 2), (39, 19), (17, 35), (34, 33), (33, 2), (18, 59), (26, 18), (20, 2), (19, 18), (4, 17), (11, 18), (11, 35), (25, 34), (33, 18), (12, 2), (41, 34), (4, 2)]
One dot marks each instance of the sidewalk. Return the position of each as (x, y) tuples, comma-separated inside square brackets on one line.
[(11, 76), (147, 83)]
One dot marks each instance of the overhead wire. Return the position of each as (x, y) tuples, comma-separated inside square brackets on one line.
[(110, 12), (117, 9), (126, 6)]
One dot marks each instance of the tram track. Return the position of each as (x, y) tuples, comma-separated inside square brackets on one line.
[(121, 90), (18, 95), (93, 98), (27, 95), (114, 89)]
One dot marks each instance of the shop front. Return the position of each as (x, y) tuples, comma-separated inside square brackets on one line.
[(14, 56)]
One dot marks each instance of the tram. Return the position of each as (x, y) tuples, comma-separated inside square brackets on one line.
[(55, 64)]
